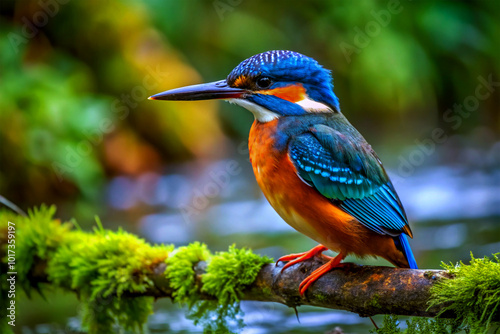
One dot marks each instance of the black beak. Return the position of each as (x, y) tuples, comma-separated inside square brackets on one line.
[(208, 91)]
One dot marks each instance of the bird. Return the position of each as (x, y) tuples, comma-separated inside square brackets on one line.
[(315, 169)]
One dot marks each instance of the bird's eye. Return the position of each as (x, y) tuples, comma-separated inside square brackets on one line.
[(264, 82)]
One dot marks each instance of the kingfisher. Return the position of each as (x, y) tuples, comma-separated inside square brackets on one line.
[(315, 169)]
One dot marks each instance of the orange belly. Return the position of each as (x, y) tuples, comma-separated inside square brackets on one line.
[(304, 208)]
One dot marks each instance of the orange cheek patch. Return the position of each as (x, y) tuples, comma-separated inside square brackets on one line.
[(292, 93)]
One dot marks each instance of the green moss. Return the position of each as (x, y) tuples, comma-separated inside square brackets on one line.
[(474, 294), (389, 326), (38, 237), (321, 297), (180, 272), (417, 325), (107, 264), (112, 262), (375, 301), (228, 273), (103, 266), (33, 242)]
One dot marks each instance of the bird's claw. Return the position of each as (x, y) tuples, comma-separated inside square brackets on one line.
[(299, 257), (315, 275)]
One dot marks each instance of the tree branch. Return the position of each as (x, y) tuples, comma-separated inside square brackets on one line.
[(366, 290)]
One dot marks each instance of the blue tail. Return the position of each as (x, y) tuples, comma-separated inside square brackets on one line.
[(405, 245)]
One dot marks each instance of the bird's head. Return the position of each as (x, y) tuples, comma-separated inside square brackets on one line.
[(271, 85)]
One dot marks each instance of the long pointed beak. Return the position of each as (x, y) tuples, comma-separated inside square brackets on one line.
[(208, 91)]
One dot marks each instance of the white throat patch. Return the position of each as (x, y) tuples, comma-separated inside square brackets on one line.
[(261, 114), (264, 115), (312, 106)]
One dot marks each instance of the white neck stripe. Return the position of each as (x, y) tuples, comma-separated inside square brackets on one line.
[(261, 114), (264, 115)]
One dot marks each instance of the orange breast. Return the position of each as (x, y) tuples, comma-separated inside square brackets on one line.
[(302, 206)]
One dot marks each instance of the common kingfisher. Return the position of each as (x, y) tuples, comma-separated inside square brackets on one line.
[(314, 167)]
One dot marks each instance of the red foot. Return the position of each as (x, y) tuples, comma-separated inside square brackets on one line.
[(333, 263), (299, 257)]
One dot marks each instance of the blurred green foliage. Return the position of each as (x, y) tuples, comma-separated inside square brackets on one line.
[(75, 76), (43, 125)]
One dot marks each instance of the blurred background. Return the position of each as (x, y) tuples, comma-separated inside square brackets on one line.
[(420, 80)]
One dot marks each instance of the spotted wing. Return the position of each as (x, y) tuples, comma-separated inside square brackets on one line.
[(351, 175)]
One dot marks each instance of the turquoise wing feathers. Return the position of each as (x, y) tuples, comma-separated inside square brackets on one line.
[(351, 175)]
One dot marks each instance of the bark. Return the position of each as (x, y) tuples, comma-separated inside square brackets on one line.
[(366, 290)]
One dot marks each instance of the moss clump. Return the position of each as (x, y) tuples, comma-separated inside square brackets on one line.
[(101, 267), (38, 237), (227, 274), (32, 242), (474, 294), (180, 272)]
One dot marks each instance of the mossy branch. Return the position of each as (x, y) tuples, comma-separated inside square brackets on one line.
[(117, 276), (366, 290)]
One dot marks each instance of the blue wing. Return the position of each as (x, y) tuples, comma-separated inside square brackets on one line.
[(350, 174)]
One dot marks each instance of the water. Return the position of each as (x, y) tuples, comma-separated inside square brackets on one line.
[(263, 318)]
